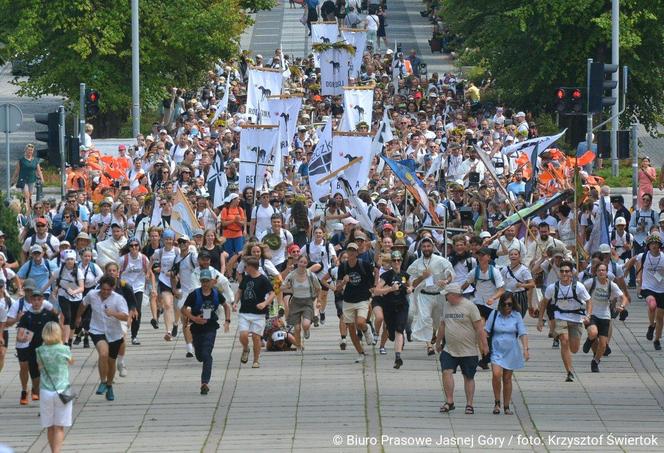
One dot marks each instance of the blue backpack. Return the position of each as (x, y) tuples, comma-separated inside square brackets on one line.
[(216, 299)]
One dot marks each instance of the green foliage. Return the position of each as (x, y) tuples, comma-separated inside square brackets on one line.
[(257, 5), (532, 47), (10, 228), (73, 41), (624, 178)]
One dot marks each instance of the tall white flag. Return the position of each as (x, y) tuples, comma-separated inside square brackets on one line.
[(529, 145), (383, 135), (284, 113), (222, 105), (217, 181), (347, 146), (320, 163), (358, 106), (263, 83), (334, 71), (258, 147), (358, 39), (323, 33)]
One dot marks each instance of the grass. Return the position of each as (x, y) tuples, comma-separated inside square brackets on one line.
[(51, 175), (624, 178)]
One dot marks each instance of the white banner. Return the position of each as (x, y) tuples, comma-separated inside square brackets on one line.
[(383, 135), (320, 163), (262, 84), (183, 219), (357, 39), (258, 147), (345, 148), (284, 113), (334, 71), (323, 33), (529, 145), (217, 182), (358, 106)]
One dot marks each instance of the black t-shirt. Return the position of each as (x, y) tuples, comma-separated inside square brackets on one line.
[(397, 299), (254, 292), (149, 251), (361, 279), (215, 256), (207, 301), (127, 293), (35, 322)]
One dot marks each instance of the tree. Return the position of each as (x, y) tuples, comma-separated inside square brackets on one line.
[(532, 47), (73, 41)]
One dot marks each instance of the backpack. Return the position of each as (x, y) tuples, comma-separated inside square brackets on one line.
[(50, 272), (325, 251), (594, 284), (628, 237), (578, 311), (639, 216), (90, 267), (491, 277), (125, 263), (33, 240), (198, 292), (74, 273)]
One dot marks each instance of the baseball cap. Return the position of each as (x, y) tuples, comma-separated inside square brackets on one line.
[(396, 255), (2, 234), (37, 292), (184, 238), (83, 235), (294, 248), (520, 114), (41, 220), (604, 248), (29, 284), (168, 234), (69, 255), (360, 235), (352, 246), (382, 201), (621, 221), (198, 232), (485, 234), (36, 249), (122, 147), (206, 275), (350, 221), (453, 288)]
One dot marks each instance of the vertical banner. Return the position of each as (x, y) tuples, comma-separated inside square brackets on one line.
[(356, 37), (284, 111), (323, 33), (217, 181), (258, 148), (321, 162), (384, 135), (334, 71), (183, 219), (346, 146), (358, 106), (263, 83)]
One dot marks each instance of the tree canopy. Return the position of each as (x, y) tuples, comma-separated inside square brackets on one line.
[(530, 48), (72, 41)]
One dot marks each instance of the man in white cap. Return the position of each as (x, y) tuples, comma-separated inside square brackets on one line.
[(430, 274), (461, 327), (37, 268), (621, 239), (522, 125)]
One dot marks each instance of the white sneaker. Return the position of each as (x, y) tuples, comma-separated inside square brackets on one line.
[(368, 338), (360, 358), (122, 369)]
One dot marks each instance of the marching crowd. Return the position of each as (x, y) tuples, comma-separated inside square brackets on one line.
[(106, 270)]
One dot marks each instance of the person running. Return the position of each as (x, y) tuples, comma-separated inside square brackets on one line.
[(254, 295), (519, 282), (504, 329), (393, 287), (200, 309), (461, 328), (305, 288), (166, 257), (430, 274), (355, 280), (603, 292), (571, 302), (321, 252), (650, 268), (153, 244), (37, 268), (69, 281), (109, 309), (135, 270), (92, 273), (5, 303)]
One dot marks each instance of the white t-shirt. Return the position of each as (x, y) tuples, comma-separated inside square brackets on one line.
[(263, 217), (52, 246), (4, 309), (514, 244), (520, 275), (166, 259), (318, 254), (372, 22), (566, 300), (279, 255), (92, 273), (68, 281), (98, 220), (484, 287), (653, 272), (100, 323), (133, 271), (600, 296), (187, 266)]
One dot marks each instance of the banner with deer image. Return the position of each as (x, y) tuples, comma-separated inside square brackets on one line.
[(346, 147), (323, 33), (284, 111), (334, 71), (259, 147), (263, 83), (357, 38), (358, 107)]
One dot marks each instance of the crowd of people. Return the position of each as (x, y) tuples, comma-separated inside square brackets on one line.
[(100, 263)]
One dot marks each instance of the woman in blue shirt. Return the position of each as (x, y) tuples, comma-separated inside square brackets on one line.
[(505, 328)]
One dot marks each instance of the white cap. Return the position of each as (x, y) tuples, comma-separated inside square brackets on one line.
[(485, 234), (69, 255), (604, 248), (622, 221), (520, 114)]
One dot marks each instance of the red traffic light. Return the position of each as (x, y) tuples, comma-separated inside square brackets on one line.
[(560, 94), (93, 96), (576, 94)]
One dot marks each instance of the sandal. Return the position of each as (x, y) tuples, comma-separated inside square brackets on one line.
[(447, 407), (496, 408), (469, 410), (508, 411)]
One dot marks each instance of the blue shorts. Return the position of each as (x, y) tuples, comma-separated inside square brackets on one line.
[(468, 364)]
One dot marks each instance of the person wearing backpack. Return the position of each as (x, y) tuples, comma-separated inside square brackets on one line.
[(69, 282), (639, 225), (322, 257), (135, 269), (42, 236), (603, 291), (200, 310), (489, 286), (37, 268), (305, 288), (571, 303), (92, 273)]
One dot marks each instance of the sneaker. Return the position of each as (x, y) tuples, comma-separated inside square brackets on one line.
[(316, 321), (382, 351), (342, 344), (135, 341), (168, 336), (360, 358), (322, 319), (587, 345), (607, 351), (86, 343), (375, 339), (154, 323), (24, 398), (204, 389), (109, 393), (122, 369), (174, 331), (35, 395), (556, 343), (570, 377), (623, 315), (189, 355), (594, 366), (656, 343), (397, 363), (245, 356), (256, 365), (650, 333), (101, 389), (368, 339), (77, 340), (307, 334), (409, 336)]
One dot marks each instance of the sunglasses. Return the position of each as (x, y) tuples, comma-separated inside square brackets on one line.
[(396, 260), (40, 225), (134, 244)]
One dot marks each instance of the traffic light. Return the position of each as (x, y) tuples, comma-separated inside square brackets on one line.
[(599, 84), (50, 137), (91, 102), (74, 151), (569, 100)]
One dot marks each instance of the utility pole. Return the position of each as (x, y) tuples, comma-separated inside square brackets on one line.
[(615, 108), (61, 146), (81, 114), (589, 114), (135, 82)]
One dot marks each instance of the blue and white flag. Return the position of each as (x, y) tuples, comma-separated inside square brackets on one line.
[(528, 145), (183, 219), (217, 181)]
